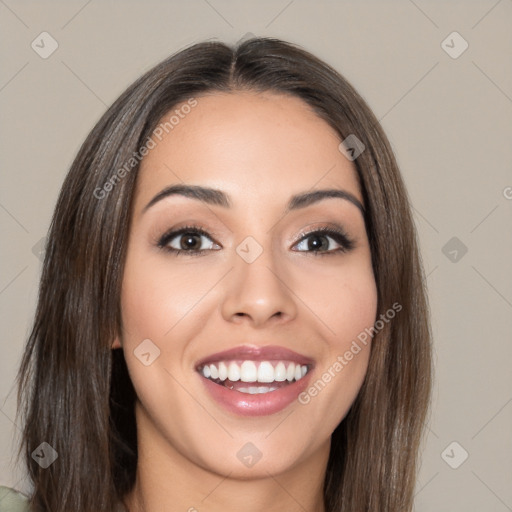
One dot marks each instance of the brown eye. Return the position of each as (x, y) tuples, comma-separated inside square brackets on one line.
[(319, 242), (189, 239)]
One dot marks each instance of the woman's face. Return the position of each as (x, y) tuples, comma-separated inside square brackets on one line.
[(280, 299)]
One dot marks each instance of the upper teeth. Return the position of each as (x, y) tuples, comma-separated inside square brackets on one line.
[(255, 371)]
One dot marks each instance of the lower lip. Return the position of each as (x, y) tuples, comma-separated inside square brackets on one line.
[(260, 404)]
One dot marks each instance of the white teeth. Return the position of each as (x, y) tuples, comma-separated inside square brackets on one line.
[(248, 372), (214, 372), (253, 390), (265, 372), (233, 372), (280, 372), (223, 371), (255, 371)]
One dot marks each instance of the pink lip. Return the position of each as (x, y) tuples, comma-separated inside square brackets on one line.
[(262, 404), (245, 404), (253, 353)]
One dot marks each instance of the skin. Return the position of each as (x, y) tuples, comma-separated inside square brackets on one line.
[(260, 149)]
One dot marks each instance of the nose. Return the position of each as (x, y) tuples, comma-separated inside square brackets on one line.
[(258, 292)]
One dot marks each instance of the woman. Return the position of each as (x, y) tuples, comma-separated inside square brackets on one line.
[(232, 312)]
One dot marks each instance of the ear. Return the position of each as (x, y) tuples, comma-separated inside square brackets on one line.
[(116, 343)]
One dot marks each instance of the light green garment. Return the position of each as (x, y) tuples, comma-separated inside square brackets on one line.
[(12, 501)]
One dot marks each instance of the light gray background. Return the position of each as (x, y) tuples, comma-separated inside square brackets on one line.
[(449, 121)]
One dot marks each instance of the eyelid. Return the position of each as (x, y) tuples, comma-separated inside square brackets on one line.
[(172, 233), (333, 231)]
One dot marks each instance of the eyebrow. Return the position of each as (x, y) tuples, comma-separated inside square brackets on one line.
[(217, 197)]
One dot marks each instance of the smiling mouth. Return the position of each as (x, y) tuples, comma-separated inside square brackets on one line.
[(254, 377)]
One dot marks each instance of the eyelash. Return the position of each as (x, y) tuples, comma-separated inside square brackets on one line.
[(337, 234)]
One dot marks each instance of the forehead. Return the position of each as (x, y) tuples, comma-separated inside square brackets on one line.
[(248, 144)]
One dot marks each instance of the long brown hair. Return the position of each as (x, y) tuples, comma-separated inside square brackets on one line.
[(74, 390)]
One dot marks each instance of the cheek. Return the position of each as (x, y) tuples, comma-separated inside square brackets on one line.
[(353, 310), (346, 303), (162, 302), (342, 301), (156, 296), (155, 300)]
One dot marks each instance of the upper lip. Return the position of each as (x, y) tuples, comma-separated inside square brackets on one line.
[(255, 353)]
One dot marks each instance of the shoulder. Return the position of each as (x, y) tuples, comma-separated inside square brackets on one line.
[(12, 500)]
